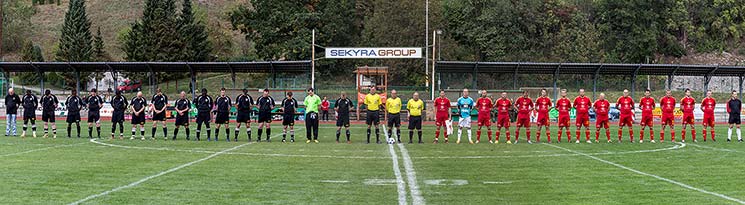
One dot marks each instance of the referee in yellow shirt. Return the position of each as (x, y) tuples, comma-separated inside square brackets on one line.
[(393, 107), (415, 107), (373, 103)]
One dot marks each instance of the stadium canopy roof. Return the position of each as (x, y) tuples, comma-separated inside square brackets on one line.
[(227, 67), (595, 69)]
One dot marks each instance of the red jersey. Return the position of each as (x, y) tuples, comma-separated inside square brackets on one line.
[(563, 105), (626, 105), (582, 105), (687, 104), (667, 104), (442, 105), (524, 105), (503, 106), (647, 105), (543, 105), (602, 107), (325, 105), (484, 106), (707, 105)]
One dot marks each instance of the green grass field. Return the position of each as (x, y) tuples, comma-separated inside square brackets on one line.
[(64, 171)]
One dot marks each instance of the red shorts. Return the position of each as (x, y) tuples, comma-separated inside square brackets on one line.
[(668, 119), (709, 120), (626, 120), (688, 119), (440, 119), (563, 121), (582, 120), (543, 120), (523, 121), (647, 120), (503, 120), (601, 122), (484, 120)]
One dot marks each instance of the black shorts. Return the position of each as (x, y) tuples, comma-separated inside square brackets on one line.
[(203, 117), (288, 119), (394, 120), (265, 116), (222, 118), (372, 118), (117, 117), (29, 115), (139, 119), (48, 116), (94, 116), (734, 118), (415, 122), (73, 117), (343, 120), (243, 117), (182, 120), (159, 116)]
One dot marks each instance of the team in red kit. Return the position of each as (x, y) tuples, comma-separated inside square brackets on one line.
[(539, 109)]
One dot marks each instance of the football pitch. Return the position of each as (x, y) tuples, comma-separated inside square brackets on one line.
[(105, 171)]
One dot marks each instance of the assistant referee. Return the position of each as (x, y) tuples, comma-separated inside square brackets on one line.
[(373, 102)]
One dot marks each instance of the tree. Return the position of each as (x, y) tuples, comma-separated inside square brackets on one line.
[(99, 55), (76, 41), (16, 24), (196, 39), (30, 53)]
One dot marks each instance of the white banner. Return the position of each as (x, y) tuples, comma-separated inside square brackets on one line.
[(373, 52)]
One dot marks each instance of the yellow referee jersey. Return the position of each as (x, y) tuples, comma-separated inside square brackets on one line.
[(415, 107), (373, 102), (393, 106)]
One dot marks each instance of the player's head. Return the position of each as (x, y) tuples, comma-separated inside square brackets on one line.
[(734, 94), (416, 96), (183, 95), (708, 94), (602, 96), (139, 94), (47, 92), (325, 98), (372, 90), (544, 92), (10, 91), (118, 93), (483, 93), (94, 92), (266, 92), (625, 92), (204, 91), (74, 92), (343, 94), (310, 91), (442, 93), (581, 92), (668, 93), (28, 92), (465, 92), (222, 91), (563, 93), (504, 94), (159, 91), (647, 92), (525, 93), (289, 94), (688, 92), (394, 93), (245, 91)]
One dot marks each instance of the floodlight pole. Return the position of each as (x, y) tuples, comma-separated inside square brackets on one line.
[(426, 39), (313, 61)]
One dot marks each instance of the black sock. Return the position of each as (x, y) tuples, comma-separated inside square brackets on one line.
[(77, 126), (259, 133), (237, 130), (187, 133), (411, 135), (390, 132), (419, 133), (165, 132), (69, 130), (54, 131), (98, 132), (348, 134), (217, 133), (175, 133), (377, 134), (268, 133), (209, 134), (249, 133), (142, 132), (133, 131), (33, 127), (284, 134), (338, 133), (90, 132), (368, 135), (292, 135), (152, 132), (398, 134), (227, 133)]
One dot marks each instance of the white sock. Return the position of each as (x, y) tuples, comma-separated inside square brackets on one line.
[(739, 137), (729, 134), (460, 131), (469, 135)]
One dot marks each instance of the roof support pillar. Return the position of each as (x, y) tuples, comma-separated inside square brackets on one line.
[(77, 81), (595, 81), (707, 79), (633, 80), (193, 83), (740, 90), (232, 74), (474, 76), (670, 78), (514, 78), (556, 78)]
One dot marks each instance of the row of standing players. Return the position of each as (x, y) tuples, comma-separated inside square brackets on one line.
[(582, 105)]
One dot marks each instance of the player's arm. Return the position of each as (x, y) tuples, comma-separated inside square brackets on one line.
[(728, 110)]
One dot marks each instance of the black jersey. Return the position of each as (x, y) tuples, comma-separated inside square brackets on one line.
[(204, 103), (343, 106), (289, 105), (11, 103), (265, 103), (94, 102), (183, 104), (244, 102), (30, 102), (159, 101), (74, 103), (734, 106), (138, 103), (223, 104), (49, 103), (119, 103)]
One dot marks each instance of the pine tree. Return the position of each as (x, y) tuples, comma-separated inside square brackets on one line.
[(197, 46), (76, 39), (30, 53), (98, 47)]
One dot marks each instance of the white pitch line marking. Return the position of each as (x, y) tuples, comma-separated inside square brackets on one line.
[(416, 195), (39, 149), (715, 148), (491, 182), (335, 181), (133, 184), (654, 176), (553, 155), (400, 184)]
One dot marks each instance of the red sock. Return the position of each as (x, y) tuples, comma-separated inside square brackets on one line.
[(607, 133), (489, 133), (631, 133), (508, 135), (559, 134), (662, 135), (587, 134), (712, 133), (496, 136), (641, 134), (527, 132), (437, 134), (693, 133), (569, 137), (704, 134), (517, 134), (576, 132), (651, 134), (672, 134), (548, 134), (538, 136), (478, 135), (620, 131), (597, 134), (682, 134)]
